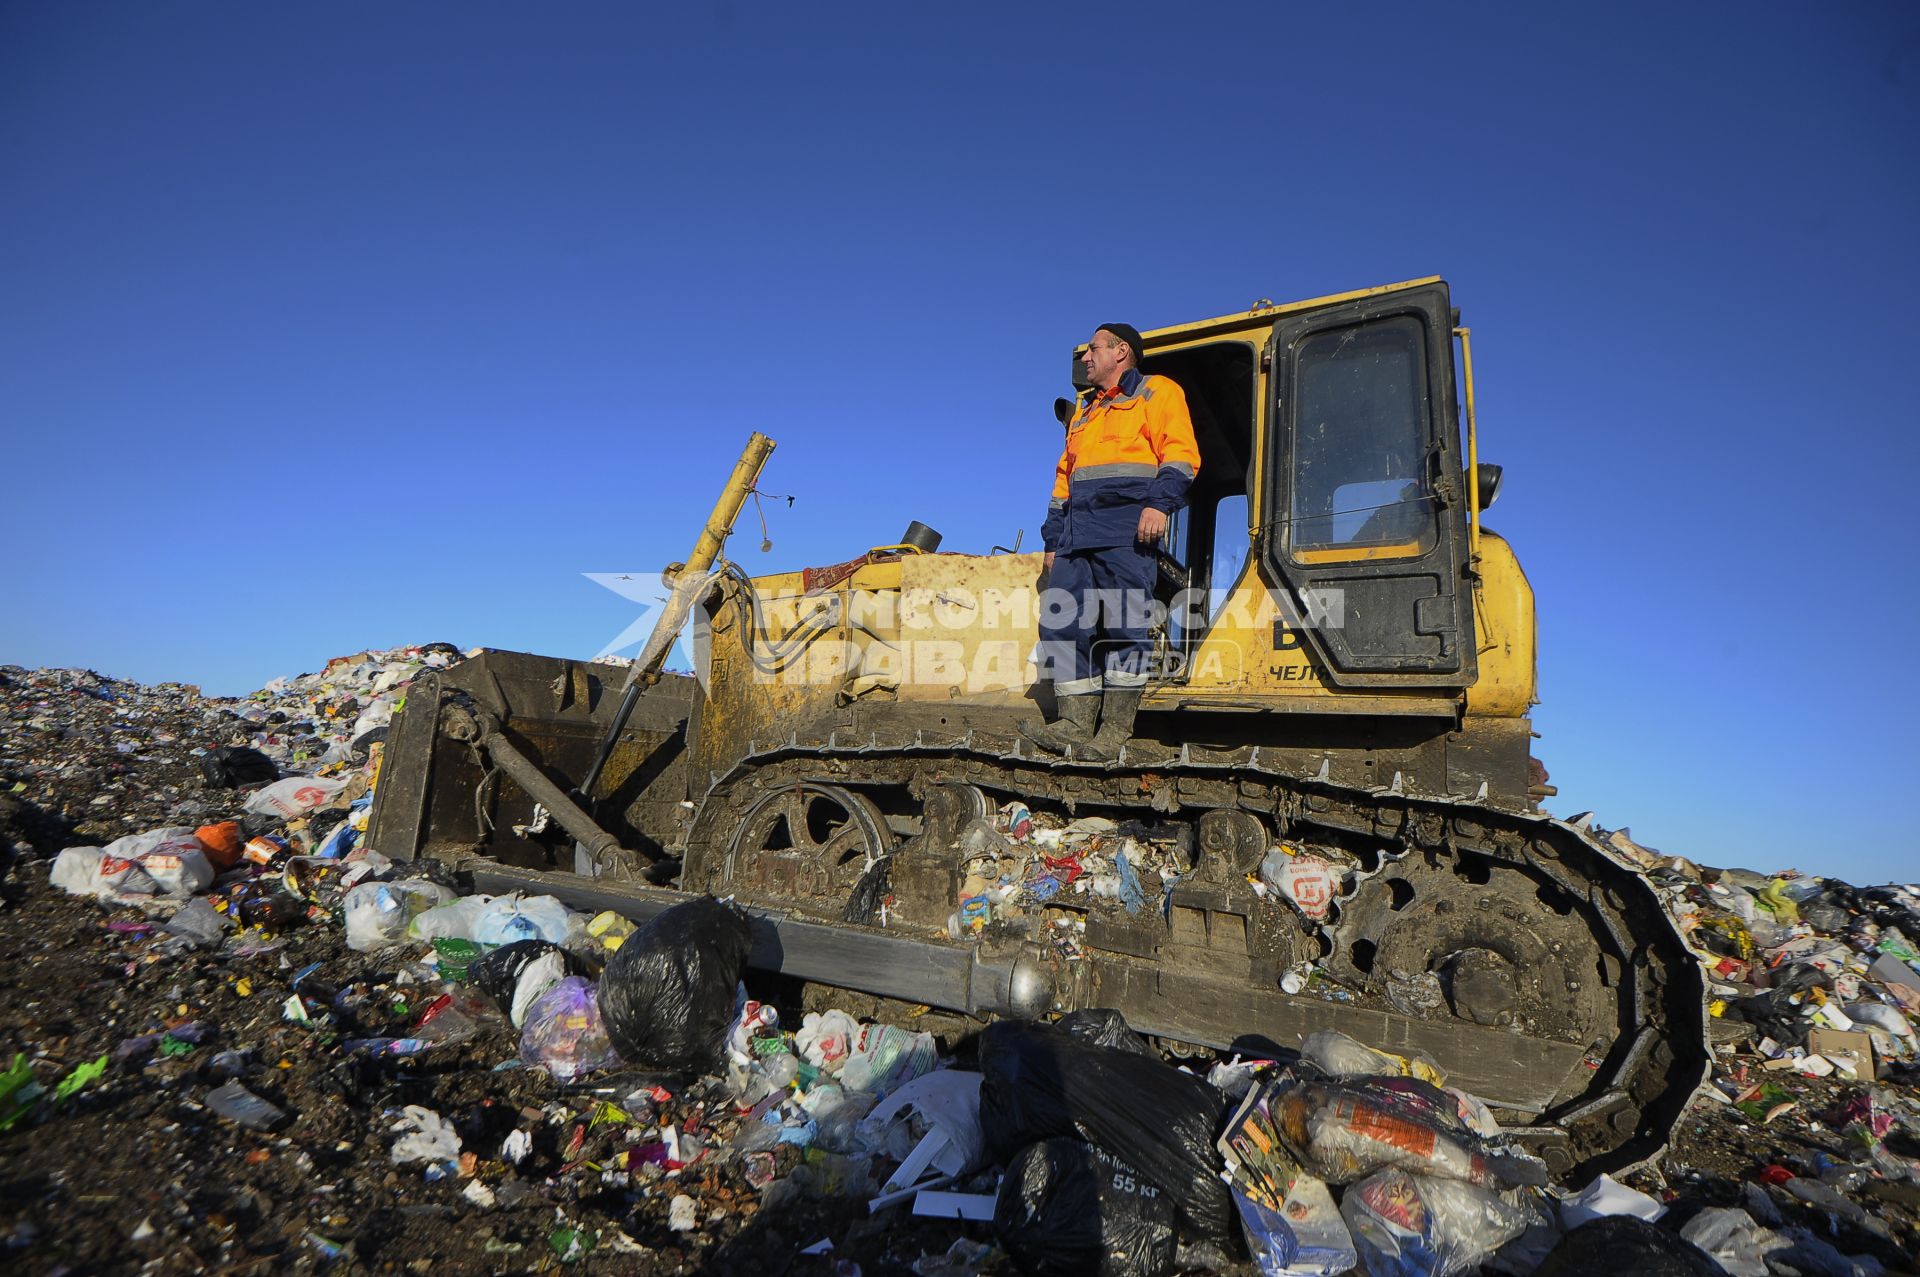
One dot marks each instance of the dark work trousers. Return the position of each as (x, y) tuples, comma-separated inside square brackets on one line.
[(1097, 608)]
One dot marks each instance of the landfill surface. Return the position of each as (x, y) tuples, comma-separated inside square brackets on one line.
[(233, 1039)]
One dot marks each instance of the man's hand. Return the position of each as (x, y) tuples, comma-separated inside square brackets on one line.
[(1153, 525), (1046, 564)]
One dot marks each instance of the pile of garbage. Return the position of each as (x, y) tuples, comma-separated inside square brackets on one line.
[(362, 1063), (1018, 862)]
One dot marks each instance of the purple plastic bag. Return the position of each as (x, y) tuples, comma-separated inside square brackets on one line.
[(563, 1032)]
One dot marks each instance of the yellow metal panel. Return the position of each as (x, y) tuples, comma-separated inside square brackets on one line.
[(1263, 318), (1504, 624)]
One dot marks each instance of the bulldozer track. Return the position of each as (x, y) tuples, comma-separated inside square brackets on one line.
[(1586, 961)]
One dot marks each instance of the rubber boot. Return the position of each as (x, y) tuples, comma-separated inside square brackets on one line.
[(1073, 727), (1118, 707)]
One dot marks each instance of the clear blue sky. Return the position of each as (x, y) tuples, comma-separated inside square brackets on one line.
[(334, 326)]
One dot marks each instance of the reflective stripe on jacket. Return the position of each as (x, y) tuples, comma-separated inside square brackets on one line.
[(1123, 453)]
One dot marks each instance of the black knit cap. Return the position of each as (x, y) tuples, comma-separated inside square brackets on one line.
[(1129, 334)]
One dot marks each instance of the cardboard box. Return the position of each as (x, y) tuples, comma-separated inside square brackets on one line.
[(1853, 1049)]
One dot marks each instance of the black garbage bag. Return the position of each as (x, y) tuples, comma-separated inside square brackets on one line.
[(1616, 1245), (1892, 907), (232, 766), (863, 904), (1067, 1208), (1042, 1082), (1773, 1012), (1825, 917), (666, 996), (497, 974), (1104, 1026)]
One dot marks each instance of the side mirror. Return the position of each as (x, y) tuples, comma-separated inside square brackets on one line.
[(1489, 475)]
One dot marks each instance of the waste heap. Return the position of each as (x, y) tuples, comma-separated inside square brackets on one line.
[(237, 1038)]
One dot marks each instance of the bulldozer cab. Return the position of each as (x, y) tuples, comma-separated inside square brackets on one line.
[(1331, 466)]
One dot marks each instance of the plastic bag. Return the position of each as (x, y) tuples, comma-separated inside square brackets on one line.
[(378, 913), (427, 1137), (160, 862), (1606, 1197), (236, 1103), (1103, 1026), (1344, 1131), (75, 868), (1877, 1014), (668, 991), (1338, 1055), (179, 868), (199, 924), (947, 1101), (1736, 1243), (223, 842), (883, 1057), (1311, 883), (295, 796), (1306, 1237), (1042, 1082), (512, 918), (1068, 1208), (837, 1114), (825, 1039), (564, 1034), (515, 974), (455, 920), (232, 766), (1621, 1244), (1423, 1226)]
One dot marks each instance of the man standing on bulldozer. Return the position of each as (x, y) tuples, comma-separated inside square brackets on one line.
[(1128, 462)]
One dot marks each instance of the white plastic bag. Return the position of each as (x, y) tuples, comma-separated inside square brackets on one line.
[(826, 1038), (515, 917), (74, 869), (455, 920), (160, 862), (545, 971), (180, 869), (295, 796), (1311, 882), (883, 1057), (947, 1101), (1607, 1196), (1731, 1237), (115, 878), (378, 912), (378, 713), (428, 1137)]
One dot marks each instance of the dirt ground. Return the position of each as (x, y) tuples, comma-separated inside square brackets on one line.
[(134, 1173)]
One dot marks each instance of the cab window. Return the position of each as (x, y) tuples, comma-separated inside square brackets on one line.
[(1359, 454)]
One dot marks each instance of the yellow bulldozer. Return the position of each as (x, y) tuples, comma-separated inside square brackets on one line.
[(1343, 670)]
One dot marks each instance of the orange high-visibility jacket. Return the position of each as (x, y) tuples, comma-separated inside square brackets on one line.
[(1123, 454)]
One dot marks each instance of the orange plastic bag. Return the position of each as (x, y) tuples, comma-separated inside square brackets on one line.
[(224, 842)]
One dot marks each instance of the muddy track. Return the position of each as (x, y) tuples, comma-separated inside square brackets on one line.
[(1585, 964)]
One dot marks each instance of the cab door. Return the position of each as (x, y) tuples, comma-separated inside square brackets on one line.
[(1368, 524)]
